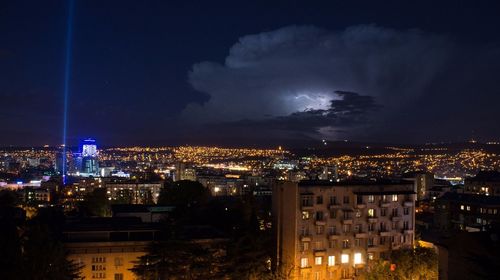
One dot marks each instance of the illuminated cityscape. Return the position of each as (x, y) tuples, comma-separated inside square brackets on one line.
[(249, 140)]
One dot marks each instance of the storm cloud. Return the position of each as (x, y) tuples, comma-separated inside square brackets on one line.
[(298, 70)]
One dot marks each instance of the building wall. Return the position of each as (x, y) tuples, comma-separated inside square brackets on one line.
[(332, 231), (106, 260)]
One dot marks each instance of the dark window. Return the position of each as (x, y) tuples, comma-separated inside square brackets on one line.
[(319, 199), (346, 200)]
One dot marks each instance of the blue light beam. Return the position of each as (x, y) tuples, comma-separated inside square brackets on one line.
[(67, 77)]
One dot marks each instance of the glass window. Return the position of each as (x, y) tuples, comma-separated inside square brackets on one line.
[(305, 215), (320, 229), (318, 260), (357, 258), (371, 212), (394, 197), (333, 200), (333, 214), (304, 262), (319, 199), (332, 230), (331, 260), (371, 198), (344, 258), (306, 200), (319, 216), (383, 212), (370, 241)]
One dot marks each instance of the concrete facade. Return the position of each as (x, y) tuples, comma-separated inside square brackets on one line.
[(328, 230)]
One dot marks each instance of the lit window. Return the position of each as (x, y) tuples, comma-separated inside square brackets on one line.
[(318, 260), (461, 207), (344, 258), (371, 198), (370, 256), (371, 212), (304, 262), (394, 197), (331, 260), (468, 208), (358, 213), (305, 215), (357, 258)]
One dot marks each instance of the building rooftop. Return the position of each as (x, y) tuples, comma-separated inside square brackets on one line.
[(471, 198), (355, 182), (490, 176)]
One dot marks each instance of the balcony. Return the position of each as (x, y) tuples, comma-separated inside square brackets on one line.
[(320, 253), (396, 218), (372, 219), (347, 221), (385, 232), (307, 207), (320, 222), (306, 238), (408, 203), (395, 246), (385, 204), (360, 206), (334, 236), (334, 206), (362, 235)]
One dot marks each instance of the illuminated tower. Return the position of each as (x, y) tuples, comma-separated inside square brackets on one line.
[(89, 160), (89, 148)]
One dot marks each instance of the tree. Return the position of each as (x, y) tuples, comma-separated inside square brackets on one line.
[(419, 263), (179, 259), (44, 257), (96, 203), (32, 249), (184, 194), (11, 225)]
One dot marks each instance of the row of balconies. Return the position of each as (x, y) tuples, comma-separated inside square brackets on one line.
[(336, 236), (351, 249), (383, 204), (350, 221)]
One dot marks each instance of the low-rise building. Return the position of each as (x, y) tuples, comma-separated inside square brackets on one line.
[(107, 248)]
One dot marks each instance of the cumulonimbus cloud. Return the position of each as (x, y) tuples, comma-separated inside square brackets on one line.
[(275, 77)]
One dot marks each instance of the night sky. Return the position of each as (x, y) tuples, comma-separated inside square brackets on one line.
[(250, 72)]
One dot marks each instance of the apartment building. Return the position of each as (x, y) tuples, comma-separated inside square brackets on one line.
[(331, 230), (484, 183), (466, 211)]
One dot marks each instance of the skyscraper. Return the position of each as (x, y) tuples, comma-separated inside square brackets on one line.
[(89, 161)]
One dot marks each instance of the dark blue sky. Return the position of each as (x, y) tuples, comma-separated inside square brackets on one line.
[(137, 75)]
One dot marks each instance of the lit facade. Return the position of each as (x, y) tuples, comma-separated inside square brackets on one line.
[(328, 230), (134, 192), (107, 248)]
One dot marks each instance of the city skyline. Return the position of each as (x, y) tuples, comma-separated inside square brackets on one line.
[(279, 74)]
